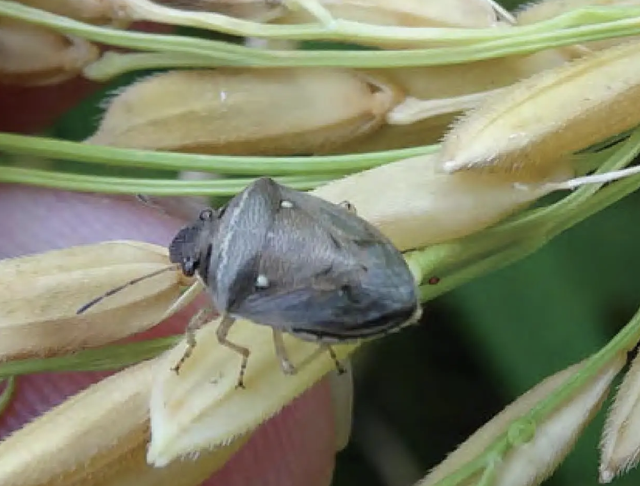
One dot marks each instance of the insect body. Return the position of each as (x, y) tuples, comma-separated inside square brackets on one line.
[(298, 264)]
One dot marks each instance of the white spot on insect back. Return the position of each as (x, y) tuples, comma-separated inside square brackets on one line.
[(262, 281), (286, 204)]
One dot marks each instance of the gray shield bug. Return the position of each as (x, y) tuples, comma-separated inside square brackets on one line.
[(297, 263)]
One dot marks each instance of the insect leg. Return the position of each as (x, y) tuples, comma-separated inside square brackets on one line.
[(341, 369), (281, 352), (221, 333), (197, 321)]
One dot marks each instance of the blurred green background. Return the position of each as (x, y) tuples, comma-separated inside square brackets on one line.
[(421, 392)]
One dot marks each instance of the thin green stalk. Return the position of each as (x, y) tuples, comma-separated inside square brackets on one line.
[(489, 474), (7, 393), (476, 267), (479, 43), (151, 187), (605, 198), (220, 164), (388, 59), (588, 199), (105, 358), (341, 30), (113, 64), (351, 31)]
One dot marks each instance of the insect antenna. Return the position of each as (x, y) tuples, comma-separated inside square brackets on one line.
[(150, 203), (115, 290)]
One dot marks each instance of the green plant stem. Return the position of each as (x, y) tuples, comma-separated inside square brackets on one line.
[(351, 31), (151, 187), (114, 64), (220, 164), (468, 44), (105, 358), (7, 393)]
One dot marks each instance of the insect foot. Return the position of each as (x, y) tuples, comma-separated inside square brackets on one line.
[(196, 322)]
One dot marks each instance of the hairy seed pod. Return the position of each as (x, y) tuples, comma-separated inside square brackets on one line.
[(620, 444), (416, 204), (245, 111), (585, 101), (201, 407), (31, 55), (41, 294), (438, 94), (99, 438)]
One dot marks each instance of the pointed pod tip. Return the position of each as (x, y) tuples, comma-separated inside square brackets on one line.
[(157, 454), (606, 475)]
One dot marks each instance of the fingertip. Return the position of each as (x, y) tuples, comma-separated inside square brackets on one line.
[(34, 220), (294, 448)]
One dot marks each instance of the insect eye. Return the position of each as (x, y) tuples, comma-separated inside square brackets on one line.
[(206, 214)]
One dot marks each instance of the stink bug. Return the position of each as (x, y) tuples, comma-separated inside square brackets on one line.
[(299, 264)]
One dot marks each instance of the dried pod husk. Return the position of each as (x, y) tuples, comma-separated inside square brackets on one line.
[(620, 445), (255, 10), (548, 9), (245, 111), (442, 93), (33, 55), (537, 448), (201, 407), (449, 81), (404, 13), (529, 127), (391, 137), (99, 438), (416, 204), (92, 11), (42, 294)]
